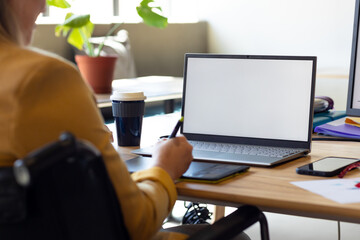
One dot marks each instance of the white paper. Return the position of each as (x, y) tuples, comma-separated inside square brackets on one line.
[(338, 190)]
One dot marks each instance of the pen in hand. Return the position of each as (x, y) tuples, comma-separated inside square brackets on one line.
[(176, 129)]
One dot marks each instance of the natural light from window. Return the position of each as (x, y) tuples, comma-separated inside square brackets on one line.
[(102, 11)]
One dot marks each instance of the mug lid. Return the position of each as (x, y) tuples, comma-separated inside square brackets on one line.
[(127, 96)]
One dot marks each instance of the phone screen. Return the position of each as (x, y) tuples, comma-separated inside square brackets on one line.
[(328, 166)]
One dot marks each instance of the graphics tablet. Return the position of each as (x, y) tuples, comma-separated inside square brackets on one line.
[(198, 171)]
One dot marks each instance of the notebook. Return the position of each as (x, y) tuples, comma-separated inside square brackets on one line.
[(248, 109), (197, 171)]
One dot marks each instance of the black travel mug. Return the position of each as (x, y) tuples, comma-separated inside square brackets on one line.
[(128, 111)]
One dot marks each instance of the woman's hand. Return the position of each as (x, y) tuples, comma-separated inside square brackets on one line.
[(111, 134), (173, 155)]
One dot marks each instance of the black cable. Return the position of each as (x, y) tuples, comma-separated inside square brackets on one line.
[(196, 214)]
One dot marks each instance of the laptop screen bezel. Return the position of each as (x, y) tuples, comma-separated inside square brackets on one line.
[(248, 140), (354, 62)]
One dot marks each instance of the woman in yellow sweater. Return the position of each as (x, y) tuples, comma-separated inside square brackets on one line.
[(43, 96)]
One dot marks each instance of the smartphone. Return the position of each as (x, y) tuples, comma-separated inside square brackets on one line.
[(326, 167)]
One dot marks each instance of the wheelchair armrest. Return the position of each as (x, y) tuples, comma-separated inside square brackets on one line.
[(39, 160), (233, 224)]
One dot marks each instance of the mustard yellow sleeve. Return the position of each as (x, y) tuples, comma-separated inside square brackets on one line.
[(158, 175), (52, 99)]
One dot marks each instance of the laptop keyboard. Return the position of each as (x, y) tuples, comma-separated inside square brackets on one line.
[(243, 149)]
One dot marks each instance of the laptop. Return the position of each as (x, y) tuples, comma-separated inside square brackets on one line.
[(248, 109)]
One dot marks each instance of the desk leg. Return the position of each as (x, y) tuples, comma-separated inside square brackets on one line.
[(219, 212), (169, 106)]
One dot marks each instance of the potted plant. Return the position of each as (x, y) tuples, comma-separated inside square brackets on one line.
[(98, 70)]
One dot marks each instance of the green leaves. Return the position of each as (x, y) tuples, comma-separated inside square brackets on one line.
[(58, 3), (76, 21), (79, 29), (150, 17), (145, 11)]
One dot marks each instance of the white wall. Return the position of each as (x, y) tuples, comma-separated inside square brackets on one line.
[(290, 27), (321, 28)]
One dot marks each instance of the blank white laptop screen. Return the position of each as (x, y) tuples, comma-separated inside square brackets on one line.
[(252, 98)]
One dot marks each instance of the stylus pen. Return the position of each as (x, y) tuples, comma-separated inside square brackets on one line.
[(176, 129)]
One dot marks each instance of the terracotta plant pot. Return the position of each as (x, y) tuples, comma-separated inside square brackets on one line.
[(97, 71)]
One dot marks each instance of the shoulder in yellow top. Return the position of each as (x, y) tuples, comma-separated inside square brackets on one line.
[(42, 96)]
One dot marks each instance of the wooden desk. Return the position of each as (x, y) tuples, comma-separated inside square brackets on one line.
[(156, 89), (268, 188)]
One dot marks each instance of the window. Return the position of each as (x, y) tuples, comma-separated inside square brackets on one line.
[(104, 11)]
